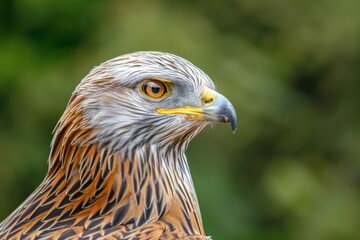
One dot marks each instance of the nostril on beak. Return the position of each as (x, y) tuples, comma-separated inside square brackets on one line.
[(208, 97), (208, 101)]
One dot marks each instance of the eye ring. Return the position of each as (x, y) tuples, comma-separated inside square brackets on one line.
[(154, 89)]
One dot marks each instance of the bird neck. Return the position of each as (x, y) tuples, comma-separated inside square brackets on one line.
[(130, 187), (89, 186), (145, 186)]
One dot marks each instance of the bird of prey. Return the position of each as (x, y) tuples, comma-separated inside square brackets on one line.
[(117, 165)]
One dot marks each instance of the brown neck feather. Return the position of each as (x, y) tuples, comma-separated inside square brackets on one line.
[(90, 187)]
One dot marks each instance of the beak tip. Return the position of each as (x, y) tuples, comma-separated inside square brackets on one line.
[(222, 111), (231, 114), (233, 125)]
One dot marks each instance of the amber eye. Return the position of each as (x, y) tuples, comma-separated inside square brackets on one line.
[(154, 88)]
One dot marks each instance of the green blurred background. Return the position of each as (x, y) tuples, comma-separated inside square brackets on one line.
[(291, 69)]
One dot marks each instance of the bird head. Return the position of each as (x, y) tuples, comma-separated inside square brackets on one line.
[(117, 165), (148, 97)]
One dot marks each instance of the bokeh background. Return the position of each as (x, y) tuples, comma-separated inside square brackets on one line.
[(291, 69)]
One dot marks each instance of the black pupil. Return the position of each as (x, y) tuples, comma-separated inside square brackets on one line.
[(155, 89)]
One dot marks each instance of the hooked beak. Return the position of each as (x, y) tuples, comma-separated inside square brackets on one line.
[(216, 108)]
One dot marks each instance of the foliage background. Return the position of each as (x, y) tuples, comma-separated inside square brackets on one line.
[(291, 69)]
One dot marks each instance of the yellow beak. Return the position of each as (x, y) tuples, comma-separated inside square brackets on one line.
[(215, 108)]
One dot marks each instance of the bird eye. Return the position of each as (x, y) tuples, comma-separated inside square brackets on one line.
[(154, 89)]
